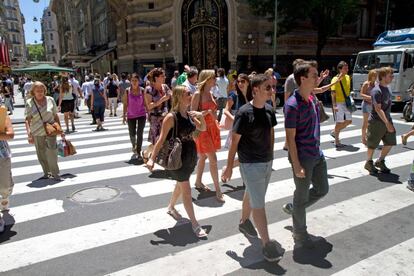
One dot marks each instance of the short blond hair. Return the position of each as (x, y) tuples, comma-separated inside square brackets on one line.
[(37, 84)]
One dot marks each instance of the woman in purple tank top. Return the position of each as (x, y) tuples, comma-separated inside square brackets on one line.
[(134, 113)]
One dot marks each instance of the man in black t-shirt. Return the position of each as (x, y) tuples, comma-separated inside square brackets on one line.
[(253, 138), (113, 93)]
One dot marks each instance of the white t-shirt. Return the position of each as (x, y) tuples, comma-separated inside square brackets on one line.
[(27, 86), (87, 89), (190, 86), (75, 85), (222, 84)]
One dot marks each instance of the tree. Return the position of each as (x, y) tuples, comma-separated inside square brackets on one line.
[(326, 16), (36, 52)]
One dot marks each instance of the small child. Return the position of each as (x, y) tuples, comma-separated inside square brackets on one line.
[(6, 181)]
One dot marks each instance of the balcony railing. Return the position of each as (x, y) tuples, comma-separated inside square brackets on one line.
[(16, 42), (12, 18), (14, 30)]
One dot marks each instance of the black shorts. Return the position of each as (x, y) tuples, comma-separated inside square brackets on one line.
[(67, 106)]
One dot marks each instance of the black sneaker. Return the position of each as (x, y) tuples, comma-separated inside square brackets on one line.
[(304, 242), (248, 229), (369, 166), (381, 166), (288, 208), (271, 252)]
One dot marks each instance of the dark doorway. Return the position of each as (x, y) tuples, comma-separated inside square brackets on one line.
[(205, 33)]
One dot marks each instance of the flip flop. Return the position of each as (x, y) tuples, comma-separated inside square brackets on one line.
[(174, 214), (199, 232), (203, 188)]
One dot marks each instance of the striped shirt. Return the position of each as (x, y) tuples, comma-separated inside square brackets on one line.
[(304, 117), (48, 112)]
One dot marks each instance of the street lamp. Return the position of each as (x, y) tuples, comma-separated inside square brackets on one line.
[(163, 45), (275, 36), (249, 42)]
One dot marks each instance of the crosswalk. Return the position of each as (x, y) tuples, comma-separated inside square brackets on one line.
[(48, 233)]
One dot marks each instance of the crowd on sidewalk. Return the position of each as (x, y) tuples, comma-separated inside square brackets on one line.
[(185, 120)]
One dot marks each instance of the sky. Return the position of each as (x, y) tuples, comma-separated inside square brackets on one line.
[(31, 9)]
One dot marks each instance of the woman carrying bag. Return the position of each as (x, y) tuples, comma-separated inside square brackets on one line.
[(183, 123), (41, 116)]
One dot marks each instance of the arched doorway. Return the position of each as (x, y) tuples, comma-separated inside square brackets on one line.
[(205, 33)]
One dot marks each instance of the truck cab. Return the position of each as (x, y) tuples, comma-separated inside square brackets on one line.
[(394, 49)]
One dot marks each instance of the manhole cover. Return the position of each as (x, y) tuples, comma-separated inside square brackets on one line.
[(95, 194)]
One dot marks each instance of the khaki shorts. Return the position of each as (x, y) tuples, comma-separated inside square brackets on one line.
[(376, 132), (6, 180)]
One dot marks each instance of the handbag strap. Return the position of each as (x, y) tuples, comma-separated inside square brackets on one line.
[(40, 114), (175, 130)]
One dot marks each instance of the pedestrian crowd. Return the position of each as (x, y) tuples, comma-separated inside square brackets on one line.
[(193, 110)]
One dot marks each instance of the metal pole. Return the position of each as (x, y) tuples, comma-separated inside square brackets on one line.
[(386, 15), (275, 35)]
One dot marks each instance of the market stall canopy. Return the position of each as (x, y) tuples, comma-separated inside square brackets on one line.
[(42, 68)]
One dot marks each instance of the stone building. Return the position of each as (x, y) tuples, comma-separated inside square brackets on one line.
[(50, 36), (137, 35), (15, 33), (224, 33), (85, 34)]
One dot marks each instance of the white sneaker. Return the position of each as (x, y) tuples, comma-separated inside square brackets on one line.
[(2, 224), (4, 204)]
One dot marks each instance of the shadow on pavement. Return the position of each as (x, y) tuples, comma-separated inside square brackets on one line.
[(389, 177), (41, 182), (253, 253), (179, 235), (7, 233), (315, 257)]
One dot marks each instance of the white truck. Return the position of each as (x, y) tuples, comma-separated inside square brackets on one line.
[(394, 49)]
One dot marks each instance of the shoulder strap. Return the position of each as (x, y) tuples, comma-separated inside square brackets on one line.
[(40, 114), (343, 90), (175, 131)]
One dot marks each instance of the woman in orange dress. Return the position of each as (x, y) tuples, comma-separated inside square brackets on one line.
[(208, 142)]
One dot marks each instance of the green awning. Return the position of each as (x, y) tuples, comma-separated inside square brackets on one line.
[(42, 68)]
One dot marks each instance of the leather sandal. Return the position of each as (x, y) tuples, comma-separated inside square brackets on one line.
[(199, 232)]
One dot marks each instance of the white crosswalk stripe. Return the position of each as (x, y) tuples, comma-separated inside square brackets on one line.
[(101, 160)]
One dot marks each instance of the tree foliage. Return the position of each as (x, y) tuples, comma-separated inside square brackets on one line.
[(36, 52), (326, 16)]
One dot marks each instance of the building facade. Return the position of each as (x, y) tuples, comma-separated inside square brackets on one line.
[(143, 34), (15, 33), (87, 34), (50, 36)]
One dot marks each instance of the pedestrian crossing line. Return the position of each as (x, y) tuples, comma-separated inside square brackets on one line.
[(39, 248), (78, 122), (163, 186), (397, 260), (27, 170), (91, 134), (34, 211), (79, 152), (393, 120), (324, 222), (73, 164), (79, 130)]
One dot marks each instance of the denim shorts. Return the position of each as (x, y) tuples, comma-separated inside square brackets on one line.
[(366, 107), (256, 177)]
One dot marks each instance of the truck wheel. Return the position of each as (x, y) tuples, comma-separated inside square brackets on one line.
[(407, 112)]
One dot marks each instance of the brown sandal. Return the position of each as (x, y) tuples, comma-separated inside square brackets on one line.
[(202, 188)]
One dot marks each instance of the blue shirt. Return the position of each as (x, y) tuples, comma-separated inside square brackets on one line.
[(304, 117), (98, 98)]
